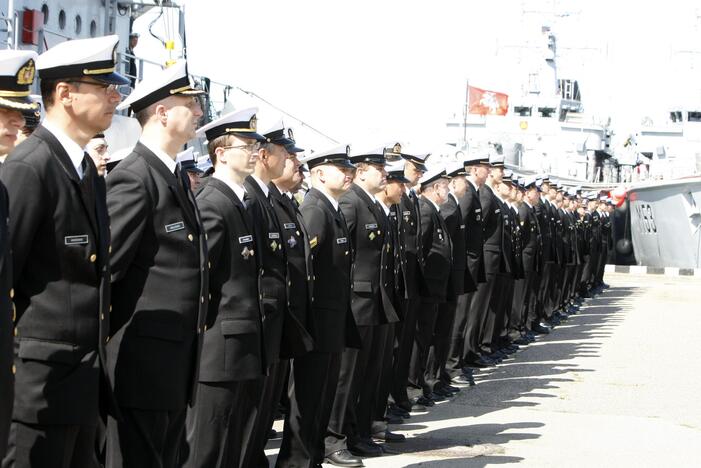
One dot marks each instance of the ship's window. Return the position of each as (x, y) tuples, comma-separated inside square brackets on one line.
[(694, 117), (62, 20), (523, 111), (546, 111), (93, 28), (45, 12), (78, 24)]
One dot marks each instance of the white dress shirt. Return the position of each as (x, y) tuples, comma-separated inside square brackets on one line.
[(73, 149)]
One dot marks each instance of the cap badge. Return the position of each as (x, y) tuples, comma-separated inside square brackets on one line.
[(25, 75), (348, 150), (290, 134), (397, 148), (253, 123)]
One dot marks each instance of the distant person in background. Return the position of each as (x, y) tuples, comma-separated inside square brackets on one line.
[(32, 117), (188, 163), (97, 149), (131, 71)]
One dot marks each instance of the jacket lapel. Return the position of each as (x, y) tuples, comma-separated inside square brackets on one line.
[(67, 165), (174, 185)]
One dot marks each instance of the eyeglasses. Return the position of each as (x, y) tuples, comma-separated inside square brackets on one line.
[(249, 147), (109, 88)]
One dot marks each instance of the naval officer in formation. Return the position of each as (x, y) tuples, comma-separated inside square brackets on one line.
[(146, 322)]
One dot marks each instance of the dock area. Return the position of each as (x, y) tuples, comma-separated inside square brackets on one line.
[(617, 385)]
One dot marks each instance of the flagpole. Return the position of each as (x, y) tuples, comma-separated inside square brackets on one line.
[(467, 109)]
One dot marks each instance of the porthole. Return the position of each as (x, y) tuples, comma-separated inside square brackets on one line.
[(45, 12), (62, 20), (78, 24), (93, 28)]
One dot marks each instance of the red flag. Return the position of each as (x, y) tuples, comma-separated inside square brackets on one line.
[(483, 102)]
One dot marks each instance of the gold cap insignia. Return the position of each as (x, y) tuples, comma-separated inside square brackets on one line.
[(253, 123), (397, 148), (25, 75), (290, 134)]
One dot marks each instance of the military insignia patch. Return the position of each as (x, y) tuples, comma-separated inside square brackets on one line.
[(274, 245), (372, 236), (246, 253), (313, 242), (292, 242), (25, 75)]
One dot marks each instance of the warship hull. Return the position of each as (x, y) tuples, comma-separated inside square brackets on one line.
[(665, 222)]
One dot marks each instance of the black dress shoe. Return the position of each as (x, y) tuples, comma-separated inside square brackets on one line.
[(424, 401), (435, 397), (343, 458), (442, 392), (399, 411), (463, 379), (452, 389), (480, 362), (389, 437), (404, 405), (364, 449)]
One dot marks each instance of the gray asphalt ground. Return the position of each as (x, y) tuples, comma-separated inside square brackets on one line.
[(618, 385)]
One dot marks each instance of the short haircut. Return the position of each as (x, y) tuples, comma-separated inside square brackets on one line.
[(144, 114), (222, 140), (48, 87)]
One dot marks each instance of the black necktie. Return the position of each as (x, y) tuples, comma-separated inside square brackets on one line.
[(247, 200), (183, 178)]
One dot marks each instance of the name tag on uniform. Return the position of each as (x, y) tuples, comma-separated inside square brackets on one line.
[(179, 226), (289, 226), (462, 226), (371, 226), (245, 239), (406, 213), (273, 235), (76, 240), (497, 211), (478, 210), (341, 240)]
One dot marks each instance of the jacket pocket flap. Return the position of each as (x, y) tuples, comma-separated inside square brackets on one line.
[(170, 329), (238, 327), (48, 351), (362, 286)]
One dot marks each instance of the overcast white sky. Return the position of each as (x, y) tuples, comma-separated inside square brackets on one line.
[(395, 70)]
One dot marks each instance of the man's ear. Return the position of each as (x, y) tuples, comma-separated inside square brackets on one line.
[(161, 113), (63, 93)]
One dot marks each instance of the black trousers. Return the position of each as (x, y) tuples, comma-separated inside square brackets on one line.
[(424, 335), (386, 374), (357, 390), (312, 390), (552, 289), (458, 335), (520, 305), (532, 314), (405, 331), (50, 446), (436, 375), (477, 319), (599, 278), (269, 390), (503, 323), (494, 319), (145, 438), (543, 293), (220, 424)]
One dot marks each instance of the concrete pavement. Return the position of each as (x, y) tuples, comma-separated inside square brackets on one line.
[(617, 385)]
